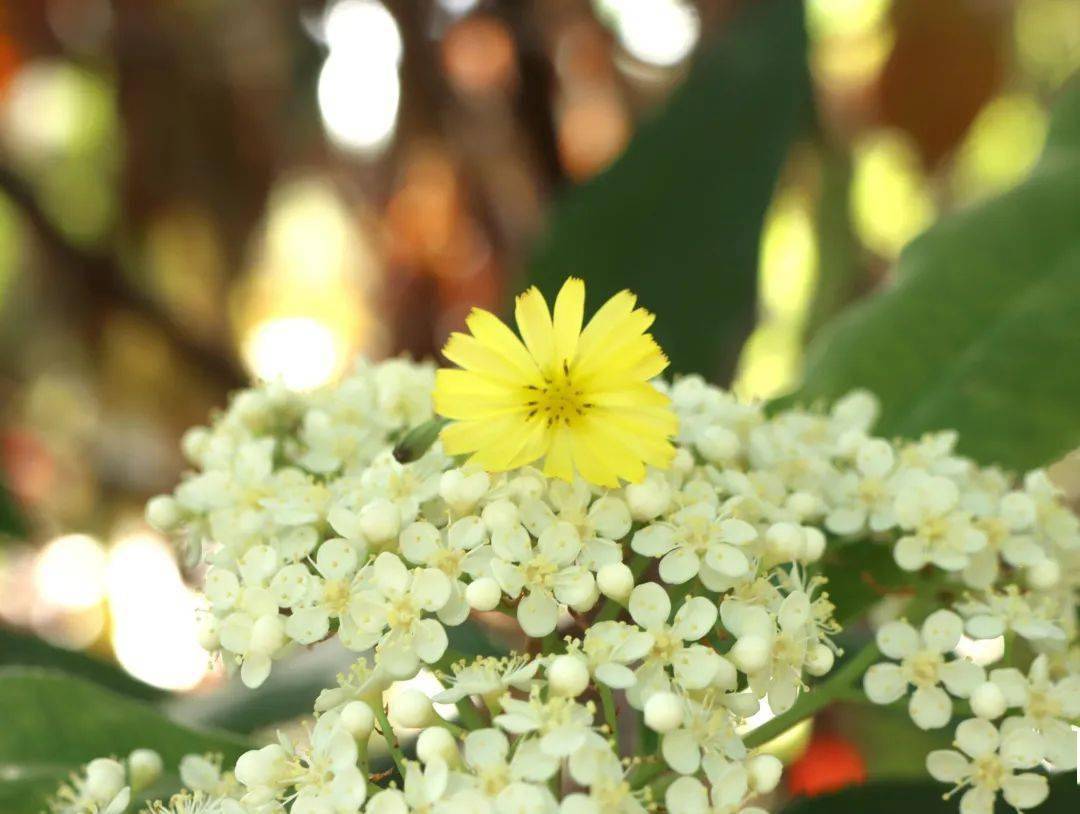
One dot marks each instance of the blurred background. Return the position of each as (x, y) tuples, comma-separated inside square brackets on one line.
[(197, 193)]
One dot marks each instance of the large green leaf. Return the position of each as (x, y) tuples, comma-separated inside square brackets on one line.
[(51, 724), (29, 651), (981, 331), (677, 218)]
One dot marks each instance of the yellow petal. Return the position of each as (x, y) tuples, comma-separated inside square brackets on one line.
[(462, 394), (559, 460), (534, 324), (470, 353), (495, 334), (468, 436), (569, 312)]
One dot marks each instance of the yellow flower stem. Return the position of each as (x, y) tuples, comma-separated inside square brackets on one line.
[(390, 737)]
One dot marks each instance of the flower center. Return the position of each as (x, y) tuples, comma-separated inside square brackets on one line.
[(557, 401), (448, 560), (538, 571), (336, 595), (988, 772), (922, 668), (401, 614)]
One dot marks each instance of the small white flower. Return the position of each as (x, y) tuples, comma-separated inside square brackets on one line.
[(923, 666), (388, 609), (697, 541), (1048, 706), (986, 763), (937, 531), (547, 574), (694, 666), (561, 724)]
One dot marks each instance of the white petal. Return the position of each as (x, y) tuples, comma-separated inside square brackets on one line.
[(537, 614), (884, 683), (942, 630), (897, 639), (336, 558), (430, 588), (978, 800), (961, 677), (1025, 790), (429, 640), (649, 605), (653, 541), (687, 795), (391, 575), (678, 566), (419, 542), (910, 553), (694, 619), (681, 751), (947, 765), (930, 707), (977, 737)]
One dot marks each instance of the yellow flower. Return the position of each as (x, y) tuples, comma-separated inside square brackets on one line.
[(579, 399)]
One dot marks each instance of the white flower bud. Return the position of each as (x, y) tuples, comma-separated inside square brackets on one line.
[(763, 772), (358, 719), (380, 520), (786, 541), (144, 768), (411, 708), (750, 653), (435, 742), (819, 660), (683, 463), (195, 443), (500, 515), (267, 634), (814, 544), (568, 676), (803, 505), (104, 779), (483, 594), (587, 603), (664, 712), (164, 513), (649, 499), (615, 581), (1044, 574), (717, 444), (461, 491), (988, 701)]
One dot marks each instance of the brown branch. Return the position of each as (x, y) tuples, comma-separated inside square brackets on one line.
[(100, 277)]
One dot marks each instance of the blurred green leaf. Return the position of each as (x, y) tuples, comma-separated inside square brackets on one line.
[(982, 329), (11, 522), (677, 218), (902, 797), (30, 651), (52, 724)]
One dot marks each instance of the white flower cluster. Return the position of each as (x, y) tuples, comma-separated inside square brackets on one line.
[(682, 602)]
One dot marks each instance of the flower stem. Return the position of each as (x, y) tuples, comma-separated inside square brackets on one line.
[(390, 737), (837, 686), (607, 701)]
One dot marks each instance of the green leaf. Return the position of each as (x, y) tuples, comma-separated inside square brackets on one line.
[(982, 329), (677, 218), (11, 522), (52, 724), (30, 651)]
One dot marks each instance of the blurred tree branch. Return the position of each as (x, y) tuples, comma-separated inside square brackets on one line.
[(99, 278)]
